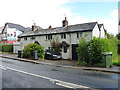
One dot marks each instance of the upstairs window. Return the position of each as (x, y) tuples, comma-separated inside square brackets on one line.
[(79, 34), (48, 37), (25, 38), (63, 36), (32, 38)]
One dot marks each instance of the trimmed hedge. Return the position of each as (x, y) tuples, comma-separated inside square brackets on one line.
[(6, 48)]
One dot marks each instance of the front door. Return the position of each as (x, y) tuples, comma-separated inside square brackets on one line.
[(74, 52)]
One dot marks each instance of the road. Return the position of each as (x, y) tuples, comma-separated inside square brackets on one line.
[(18, 74)]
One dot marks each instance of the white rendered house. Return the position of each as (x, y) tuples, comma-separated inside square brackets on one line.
[(67, 33)]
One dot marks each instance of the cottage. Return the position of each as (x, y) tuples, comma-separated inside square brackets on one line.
[(69, 34)]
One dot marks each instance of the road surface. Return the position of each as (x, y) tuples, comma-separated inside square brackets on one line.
[(18, 74)]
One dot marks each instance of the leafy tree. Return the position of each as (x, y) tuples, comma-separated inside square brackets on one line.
[(55, 46), (118, 36)]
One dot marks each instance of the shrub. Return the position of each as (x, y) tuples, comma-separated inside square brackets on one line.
[(55, 46), (95, 49), (90, 52), (30, 48), (114, 46), (1, 47), (82, 50), (6, 48), (119, 47)]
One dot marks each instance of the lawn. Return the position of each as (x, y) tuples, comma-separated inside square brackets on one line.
[(116, 60)]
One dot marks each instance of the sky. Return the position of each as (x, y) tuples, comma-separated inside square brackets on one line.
[(51, 12)]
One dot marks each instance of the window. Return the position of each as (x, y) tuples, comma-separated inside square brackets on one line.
[(25, 38), (63, 36), (32, 38), (79, 34), (48, 37), (65, 49)]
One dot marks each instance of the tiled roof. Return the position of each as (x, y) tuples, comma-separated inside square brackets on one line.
[(100, 25), (71, 28), (17, 26)]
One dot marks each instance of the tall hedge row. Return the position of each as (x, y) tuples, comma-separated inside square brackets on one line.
[(95, 49), (6, 48), (90, 52)]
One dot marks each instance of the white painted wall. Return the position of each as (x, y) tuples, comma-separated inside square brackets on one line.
[(12, 31), (71, 38), (102, 32), (95, 32)]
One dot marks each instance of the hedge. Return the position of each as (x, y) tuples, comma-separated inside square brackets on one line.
[(6, 48), (90, 52)]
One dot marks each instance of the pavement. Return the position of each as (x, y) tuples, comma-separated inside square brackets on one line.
[(62, 63)]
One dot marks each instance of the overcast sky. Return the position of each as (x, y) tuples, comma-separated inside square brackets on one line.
[(52, 12)]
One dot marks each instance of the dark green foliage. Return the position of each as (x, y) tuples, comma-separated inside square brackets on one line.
[(114, 46), (118, 36), (82, 50), (1, 47), (90, 52), (6, 48), (30, 48), (95, 49), (119, 47)]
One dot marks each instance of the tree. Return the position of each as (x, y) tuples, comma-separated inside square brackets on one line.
[(118, 36), (109, 35), (55, 46)]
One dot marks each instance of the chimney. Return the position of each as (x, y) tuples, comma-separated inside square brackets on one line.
[(33, 27), (65, 22), (50, 27)]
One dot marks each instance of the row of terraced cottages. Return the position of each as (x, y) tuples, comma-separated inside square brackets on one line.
[(69, 34)]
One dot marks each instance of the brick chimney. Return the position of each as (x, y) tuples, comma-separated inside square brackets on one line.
[(33, 27), (50, 27), (65, 22)]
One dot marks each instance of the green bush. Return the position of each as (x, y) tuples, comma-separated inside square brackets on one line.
[(114, 46), (30, 48), (1, 47), (90, 52), (6, 48), (95, 49), (82, 50), (118, 47)]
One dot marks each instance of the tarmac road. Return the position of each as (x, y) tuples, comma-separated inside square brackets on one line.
[(41, 76)]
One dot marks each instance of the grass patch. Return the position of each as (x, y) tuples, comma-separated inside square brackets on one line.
[(116, 60)]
